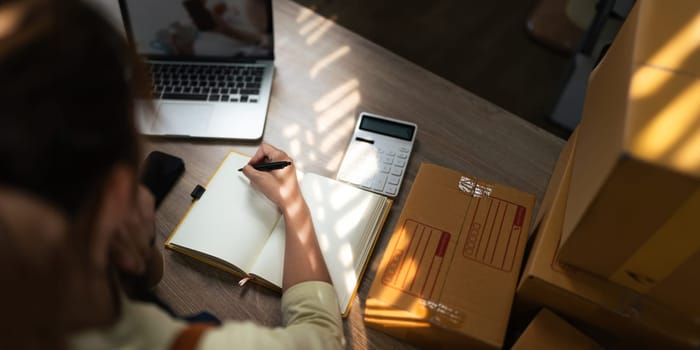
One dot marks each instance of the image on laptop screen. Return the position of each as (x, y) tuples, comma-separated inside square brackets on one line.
[(202, 28)]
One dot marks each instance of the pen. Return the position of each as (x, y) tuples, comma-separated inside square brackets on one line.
[(269, 166)]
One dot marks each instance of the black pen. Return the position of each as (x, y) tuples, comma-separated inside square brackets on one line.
[(269, 166)]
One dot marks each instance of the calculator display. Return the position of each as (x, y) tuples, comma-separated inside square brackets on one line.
[(386, 127)]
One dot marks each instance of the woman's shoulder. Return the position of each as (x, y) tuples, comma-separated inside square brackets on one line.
[(140, 325)]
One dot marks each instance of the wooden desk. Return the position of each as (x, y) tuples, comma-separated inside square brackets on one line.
[(325, 76)]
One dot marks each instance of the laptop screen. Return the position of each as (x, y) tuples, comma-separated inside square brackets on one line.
[(200, 29)]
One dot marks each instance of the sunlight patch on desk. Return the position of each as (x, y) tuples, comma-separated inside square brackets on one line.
[(310, 25), (339, 134), (304, 14), (295, 147), (328, 60), (320, 31), (310, 139), (335, 95), (341, 109), (291, 130), (334, 162), (337, 122)]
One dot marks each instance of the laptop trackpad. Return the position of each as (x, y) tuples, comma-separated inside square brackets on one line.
[(183, 119)]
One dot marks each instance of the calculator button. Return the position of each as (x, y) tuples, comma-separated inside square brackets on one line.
[(394, 180), (385, 169), (403, 149), (379, 182), (400, 162), (397, 171), (388, 160), (391, 189), (391, 153), (380, 151), (403, 155)]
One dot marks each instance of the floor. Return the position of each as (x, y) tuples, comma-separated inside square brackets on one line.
[(480, 45)]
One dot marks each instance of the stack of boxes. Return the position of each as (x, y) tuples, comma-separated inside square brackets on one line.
[(618, 247)]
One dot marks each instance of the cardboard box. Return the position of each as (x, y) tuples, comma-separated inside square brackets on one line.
[(448, 276), (596, 302), (548, 331), (635, 188), (555, 180)]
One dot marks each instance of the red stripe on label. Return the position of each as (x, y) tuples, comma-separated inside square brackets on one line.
[(519, 216), (442, 246)]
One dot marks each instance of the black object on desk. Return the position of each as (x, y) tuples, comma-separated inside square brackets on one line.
[(160, 172)]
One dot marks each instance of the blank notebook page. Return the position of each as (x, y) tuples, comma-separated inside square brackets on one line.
[(231, 221), (341, 214)]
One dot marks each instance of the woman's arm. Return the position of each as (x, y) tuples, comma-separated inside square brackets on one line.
[(310, 309), (302, 257)]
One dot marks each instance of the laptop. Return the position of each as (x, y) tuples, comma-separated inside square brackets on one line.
[(211, 64)]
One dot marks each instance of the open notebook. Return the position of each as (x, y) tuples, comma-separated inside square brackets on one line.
[(235, 228)]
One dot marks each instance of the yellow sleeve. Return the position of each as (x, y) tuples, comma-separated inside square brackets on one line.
[(310, 315)]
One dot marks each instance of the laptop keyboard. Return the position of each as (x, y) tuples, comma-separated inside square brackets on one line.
[(216, 83)]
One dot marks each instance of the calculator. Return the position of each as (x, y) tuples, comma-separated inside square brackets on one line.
[(378, 153)]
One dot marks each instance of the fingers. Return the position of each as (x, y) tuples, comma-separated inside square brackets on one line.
[(258, 157), (133, 243), (146, 200), (277, 185), (250, 172), (129, 254), (146, 215), (268, 152), (274, 154)]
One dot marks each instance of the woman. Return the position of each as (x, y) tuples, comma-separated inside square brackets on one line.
[(73, 218)]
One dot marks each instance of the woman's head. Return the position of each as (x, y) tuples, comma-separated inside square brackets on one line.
[(67, 141), (65, 102)]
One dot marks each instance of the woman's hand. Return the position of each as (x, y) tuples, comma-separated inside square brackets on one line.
[(133, 247), (303, 260), (280, 185)]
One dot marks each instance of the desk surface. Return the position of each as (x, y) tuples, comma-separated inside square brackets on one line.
[(325, 76)]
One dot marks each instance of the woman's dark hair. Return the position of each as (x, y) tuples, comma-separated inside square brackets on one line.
[(66, 103), (67, 86)]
